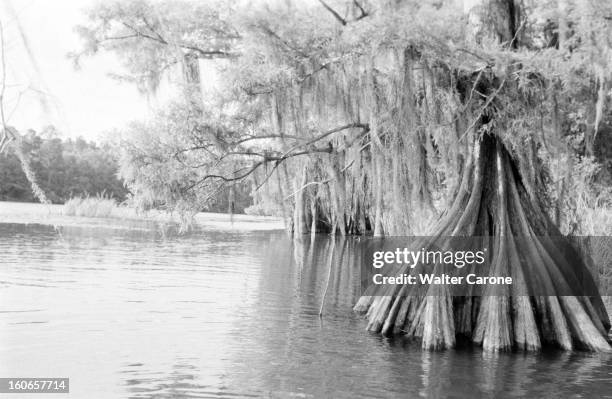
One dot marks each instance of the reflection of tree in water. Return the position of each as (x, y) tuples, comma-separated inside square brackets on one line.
[(467, 372), (179, 383), (285, 347), (281, 348)]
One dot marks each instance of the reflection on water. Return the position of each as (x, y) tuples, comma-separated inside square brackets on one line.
[(225, 313)]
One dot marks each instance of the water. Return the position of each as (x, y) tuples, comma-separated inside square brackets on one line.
[(124, 311)]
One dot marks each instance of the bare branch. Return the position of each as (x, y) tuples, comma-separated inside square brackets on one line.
[(333, 12), (159, 39), (364, 13), (364, 126), (277, 158), (284, 42), (268, 136), (318, 182), (305, 186)]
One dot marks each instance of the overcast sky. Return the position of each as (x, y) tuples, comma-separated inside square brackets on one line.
[(81, 103)]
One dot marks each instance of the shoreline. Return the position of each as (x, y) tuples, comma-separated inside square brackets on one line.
[(52, 215)]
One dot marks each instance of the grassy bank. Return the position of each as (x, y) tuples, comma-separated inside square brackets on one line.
[(120, 215), (94, 207)]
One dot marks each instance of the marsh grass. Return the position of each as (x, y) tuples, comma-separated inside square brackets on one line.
[(102, 206), (93, 207)]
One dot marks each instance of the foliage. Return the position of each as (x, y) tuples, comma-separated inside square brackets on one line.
[(151, 40), (161, 171), (62, 168), (328, 109)]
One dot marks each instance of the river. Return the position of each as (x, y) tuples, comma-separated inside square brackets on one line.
[(231, 311)]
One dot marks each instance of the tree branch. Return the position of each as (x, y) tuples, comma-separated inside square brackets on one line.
[(364, 126), (159, 39), (277, 158), (333, 12), (364, 13)]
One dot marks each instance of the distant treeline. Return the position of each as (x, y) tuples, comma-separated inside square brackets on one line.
[(69, 168), (63, 169)]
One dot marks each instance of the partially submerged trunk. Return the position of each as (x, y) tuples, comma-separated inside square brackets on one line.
[(493, 202), (497, 200)]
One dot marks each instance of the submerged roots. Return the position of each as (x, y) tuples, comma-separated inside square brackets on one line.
[(493, 202)]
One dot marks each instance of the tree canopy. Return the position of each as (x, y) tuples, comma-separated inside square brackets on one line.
[(329, 103)]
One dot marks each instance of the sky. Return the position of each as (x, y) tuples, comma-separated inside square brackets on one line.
[(85, 102)]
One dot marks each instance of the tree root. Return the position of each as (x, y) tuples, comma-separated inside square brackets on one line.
[(492, 203)]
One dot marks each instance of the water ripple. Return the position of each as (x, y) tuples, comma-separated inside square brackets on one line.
[(230, 314)]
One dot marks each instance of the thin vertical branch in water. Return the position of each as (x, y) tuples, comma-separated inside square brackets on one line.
[(330, 263)]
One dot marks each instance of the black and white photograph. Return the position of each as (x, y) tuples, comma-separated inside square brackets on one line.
[(343, 199)]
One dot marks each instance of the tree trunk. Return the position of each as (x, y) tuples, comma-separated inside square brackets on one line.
[(492, 202)]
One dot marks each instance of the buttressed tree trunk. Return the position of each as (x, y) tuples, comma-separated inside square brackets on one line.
[(497, 202)]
